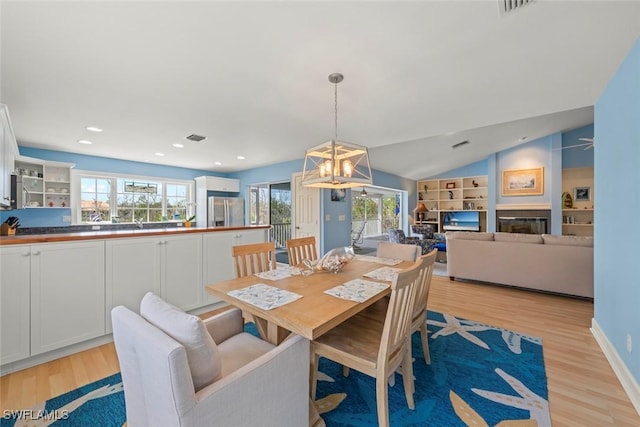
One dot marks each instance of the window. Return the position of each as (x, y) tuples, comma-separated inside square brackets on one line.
[(109, 198)]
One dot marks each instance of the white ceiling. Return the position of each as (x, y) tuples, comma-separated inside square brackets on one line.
[(252, 77)]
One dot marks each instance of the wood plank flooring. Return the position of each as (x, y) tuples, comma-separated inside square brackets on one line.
[(583, 390)]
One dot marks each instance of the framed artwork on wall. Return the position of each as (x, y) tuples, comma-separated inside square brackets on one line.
[(338, 195), (582, 194), (523, 182)]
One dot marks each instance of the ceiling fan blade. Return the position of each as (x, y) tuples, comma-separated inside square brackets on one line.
[(586, 144), (586, 139), (588, 147)]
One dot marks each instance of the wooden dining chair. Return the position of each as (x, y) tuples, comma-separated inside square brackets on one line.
[(419, 317), (405, 252), (254, 258), (302, 248), (376, 349)]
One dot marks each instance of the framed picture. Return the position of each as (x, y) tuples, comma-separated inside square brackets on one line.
[(451, 185), (523, 182), (582, 194), (338, 195)]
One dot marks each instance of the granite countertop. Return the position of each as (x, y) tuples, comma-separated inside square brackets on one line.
[(111, 233)]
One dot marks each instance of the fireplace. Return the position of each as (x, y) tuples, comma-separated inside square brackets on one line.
[(523, 221)]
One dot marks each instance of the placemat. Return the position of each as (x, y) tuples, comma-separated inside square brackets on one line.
[(378, 260), (279, 273), (264, 296), (383, 273), (357, 290)]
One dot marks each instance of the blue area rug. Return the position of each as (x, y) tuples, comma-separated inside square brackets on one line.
[(479, 375)]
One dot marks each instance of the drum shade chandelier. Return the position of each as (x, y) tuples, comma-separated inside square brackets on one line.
[(336, 164)]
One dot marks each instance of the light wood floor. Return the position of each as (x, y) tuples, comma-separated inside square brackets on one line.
[(583, 390)]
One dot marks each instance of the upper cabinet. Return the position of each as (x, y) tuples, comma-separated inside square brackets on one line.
[(8, 152), (43, 183), (216, 183)]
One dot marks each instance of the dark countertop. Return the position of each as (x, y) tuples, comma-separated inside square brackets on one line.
[(22, 239)]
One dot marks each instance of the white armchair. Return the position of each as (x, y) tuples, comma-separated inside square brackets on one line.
[(259, 384)]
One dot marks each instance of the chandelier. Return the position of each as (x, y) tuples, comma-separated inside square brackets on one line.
[(336, 164)]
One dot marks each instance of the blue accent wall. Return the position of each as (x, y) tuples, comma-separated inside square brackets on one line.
[(617, 174), (577, 157)]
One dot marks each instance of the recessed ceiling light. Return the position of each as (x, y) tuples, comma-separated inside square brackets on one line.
[(217, 163), (84, 141), (522, 138), (159, 154), (93, 129), (240, 157), (178, 145)]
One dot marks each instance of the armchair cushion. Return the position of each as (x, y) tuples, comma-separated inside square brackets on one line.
[(241, 349), (202, 353)]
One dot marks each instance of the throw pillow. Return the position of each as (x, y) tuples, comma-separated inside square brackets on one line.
[(202, 352)]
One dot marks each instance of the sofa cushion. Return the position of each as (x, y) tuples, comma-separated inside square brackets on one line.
[(470, 235), (586, 241), (202, 353), (517, 237)]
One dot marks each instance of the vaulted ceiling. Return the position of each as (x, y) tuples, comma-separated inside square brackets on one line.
[(252, 77)]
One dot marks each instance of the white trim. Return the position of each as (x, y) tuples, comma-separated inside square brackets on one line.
[(513, 207), (629, 384)]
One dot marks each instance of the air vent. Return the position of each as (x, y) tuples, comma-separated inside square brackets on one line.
[(196, 138), (508, 6), (459, 144)]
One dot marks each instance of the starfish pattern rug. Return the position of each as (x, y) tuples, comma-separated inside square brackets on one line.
[(479, 375)]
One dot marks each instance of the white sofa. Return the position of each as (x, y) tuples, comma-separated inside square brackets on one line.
[(560, 264)]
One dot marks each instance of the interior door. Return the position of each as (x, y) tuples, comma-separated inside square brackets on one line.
[(306, 209)]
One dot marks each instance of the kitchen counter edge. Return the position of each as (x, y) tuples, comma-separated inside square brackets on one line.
[(106, 234)]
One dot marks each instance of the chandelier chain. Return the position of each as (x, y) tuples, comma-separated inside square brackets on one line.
[(335, 109)]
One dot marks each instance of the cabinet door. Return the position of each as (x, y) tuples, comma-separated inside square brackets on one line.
[(217, 263), (132, 270), (182, 270), (246, 237), (14, 303), (67, 294), (8, 151)]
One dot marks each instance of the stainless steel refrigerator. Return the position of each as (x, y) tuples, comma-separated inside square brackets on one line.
[(225, 211)]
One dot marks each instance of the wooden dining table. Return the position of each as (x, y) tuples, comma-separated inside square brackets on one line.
[(315, 312)]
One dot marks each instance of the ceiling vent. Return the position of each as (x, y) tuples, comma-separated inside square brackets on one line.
[(508, 6), (196, 138), (459, 144)]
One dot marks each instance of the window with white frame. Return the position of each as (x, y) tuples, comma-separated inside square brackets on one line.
[(110, 198)]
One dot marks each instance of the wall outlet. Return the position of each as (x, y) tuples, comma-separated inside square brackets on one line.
[(327, 217), (342, 217), (66, 218), (95, 227), (629, 343)]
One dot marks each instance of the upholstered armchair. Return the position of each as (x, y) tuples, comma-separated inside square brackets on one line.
[(398, 236), (239, 380)]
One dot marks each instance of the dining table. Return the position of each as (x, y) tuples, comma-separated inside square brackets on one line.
[(314, 311)]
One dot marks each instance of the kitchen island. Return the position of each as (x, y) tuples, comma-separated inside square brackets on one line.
[(57, 290)]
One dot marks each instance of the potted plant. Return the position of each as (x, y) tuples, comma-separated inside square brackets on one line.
[(188, 222)]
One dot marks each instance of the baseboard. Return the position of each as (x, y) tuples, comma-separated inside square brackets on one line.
[(630, 385)]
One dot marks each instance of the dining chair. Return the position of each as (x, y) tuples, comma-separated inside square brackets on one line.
[(405, 252), (254, 258), (376, 349), (302, 248), (419, 317)]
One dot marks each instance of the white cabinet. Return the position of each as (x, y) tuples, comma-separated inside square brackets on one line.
[(15, 283), (169, 266), (67, 294), (216, 183), (8, 151), (217, 260), (52, 296), (43, 183)]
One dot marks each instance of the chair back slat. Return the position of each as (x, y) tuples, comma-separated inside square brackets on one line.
[(254, 258), (302, 248), (422, 291), (398, 319)]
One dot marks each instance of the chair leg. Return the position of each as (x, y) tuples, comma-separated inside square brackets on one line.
[(313, 377), (425, 343), (382, 400), (407, 379), (345, 371)]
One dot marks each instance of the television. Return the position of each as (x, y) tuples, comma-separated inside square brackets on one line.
[(461, 221)]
